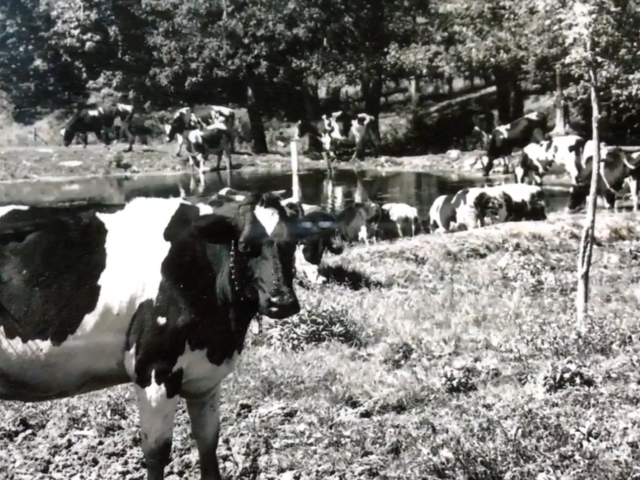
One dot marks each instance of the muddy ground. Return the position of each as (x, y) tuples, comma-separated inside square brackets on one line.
[(31, 163)]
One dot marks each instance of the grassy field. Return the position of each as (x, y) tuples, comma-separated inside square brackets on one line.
[(451, 357)]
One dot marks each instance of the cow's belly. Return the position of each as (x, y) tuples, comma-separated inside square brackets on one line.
[(36, 370)]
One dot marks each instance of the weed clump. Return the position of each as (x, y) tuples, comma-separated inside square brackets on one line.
[(314, 325)]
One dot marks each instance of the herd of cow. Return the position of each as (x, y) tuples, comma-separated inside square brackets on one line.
[(160, 292)]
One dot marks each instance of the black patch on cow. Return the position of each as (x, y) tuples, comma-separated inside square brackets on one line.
[(326, 237), (50, 263), (181, 222)]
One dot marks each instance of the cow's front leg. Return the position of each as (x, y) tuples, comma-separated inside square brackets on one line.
[(128, 135), (157, 412), (180, 141), (204, 413), (85, 139)]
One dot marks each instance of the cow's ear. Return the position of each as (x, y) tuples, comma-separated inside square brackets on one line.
[(215, 228)]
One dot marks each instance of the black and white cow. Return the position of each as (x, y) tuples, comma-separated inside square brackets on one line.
[(157, 292), (534, 162), (186, 119), (323, 228), (617, 169), (339, 131), (526, 202), (214, 138), (359, 221), (95, 119), (504, 139), (403, 217)]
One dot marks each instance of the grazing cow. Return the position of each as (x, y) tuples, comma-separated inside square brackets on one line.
[(93, 118), (341, 130), (401, 215), (617, 168), (473, 206), (157, 292), (359, 221), (187, 118), (213, 138), (534, 162), (505, 139), (526, 202)]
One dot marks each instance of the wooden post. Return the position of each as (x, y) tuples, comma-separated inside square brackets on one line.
[(561, 122), (295, 180)]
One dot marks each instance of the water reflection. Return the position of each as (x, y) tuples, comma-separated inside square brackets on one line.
[(417, 189)]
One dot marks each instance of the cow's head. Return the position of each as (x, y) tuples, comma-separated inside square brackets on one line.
[(325, 236), (67, 133), (263, 237), (495, 205)]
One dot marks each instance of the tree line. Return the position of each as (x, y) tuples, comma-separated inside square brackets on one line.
[(272, 56)]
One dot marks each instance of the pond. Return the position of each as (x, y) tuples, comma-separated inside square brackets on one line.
[(417, 189)]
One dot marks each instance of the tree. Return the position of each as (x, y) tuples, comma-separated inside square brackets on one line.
[(590, 27)]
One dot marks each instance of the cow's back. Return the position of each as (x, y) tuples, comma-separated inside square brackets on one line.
[(70, 282)]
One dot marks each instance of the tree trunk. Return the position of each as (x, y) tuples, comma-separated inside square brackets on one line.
[(517, 98), (586, 243), (413, 93), (560, 107), (371, 94), (254, 109), (503, 95)]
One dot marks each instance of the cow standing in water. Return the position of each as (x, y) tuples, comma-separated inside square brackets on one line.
[(504, 139), (157, 292), (95, 119), (187, 119)]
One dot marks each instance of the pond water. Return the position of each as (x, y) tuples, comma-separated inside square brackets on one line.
[(417, 189)]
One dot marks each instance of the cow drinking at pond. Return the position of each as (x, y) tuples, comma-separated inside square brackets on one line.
[(95, 119), (187, 119), (617, 169), (214, 138), (341, 131), (504, 139), (157, 292)]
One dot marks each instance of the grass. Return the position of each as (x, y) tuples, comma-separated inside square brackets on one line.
[(451, 356)]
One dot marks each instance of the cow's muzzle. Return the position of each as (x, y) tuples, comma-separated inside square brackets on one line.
[(281, 305)]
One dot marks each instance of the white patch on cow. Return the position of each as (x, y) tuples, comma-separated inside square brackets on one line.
[(162, 320), (195, 136), (95, 113), (62, 131), (181, 111), (363, 235), (204, 208), (123, 107), (310, 271), (533, 116), (400, 211), (503, 129), (135, 249), (8, 208), (268, 217), (200, 375), (167, 128), (216, 125)]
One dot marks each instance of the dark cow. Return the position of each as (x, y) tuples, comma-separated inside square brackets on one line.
[(186, 119), (323, 228), (518, 134), (94, 118), (617, 168), (339, 131), (213, 138), (157, 292), (525, 202), (359, 221)]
